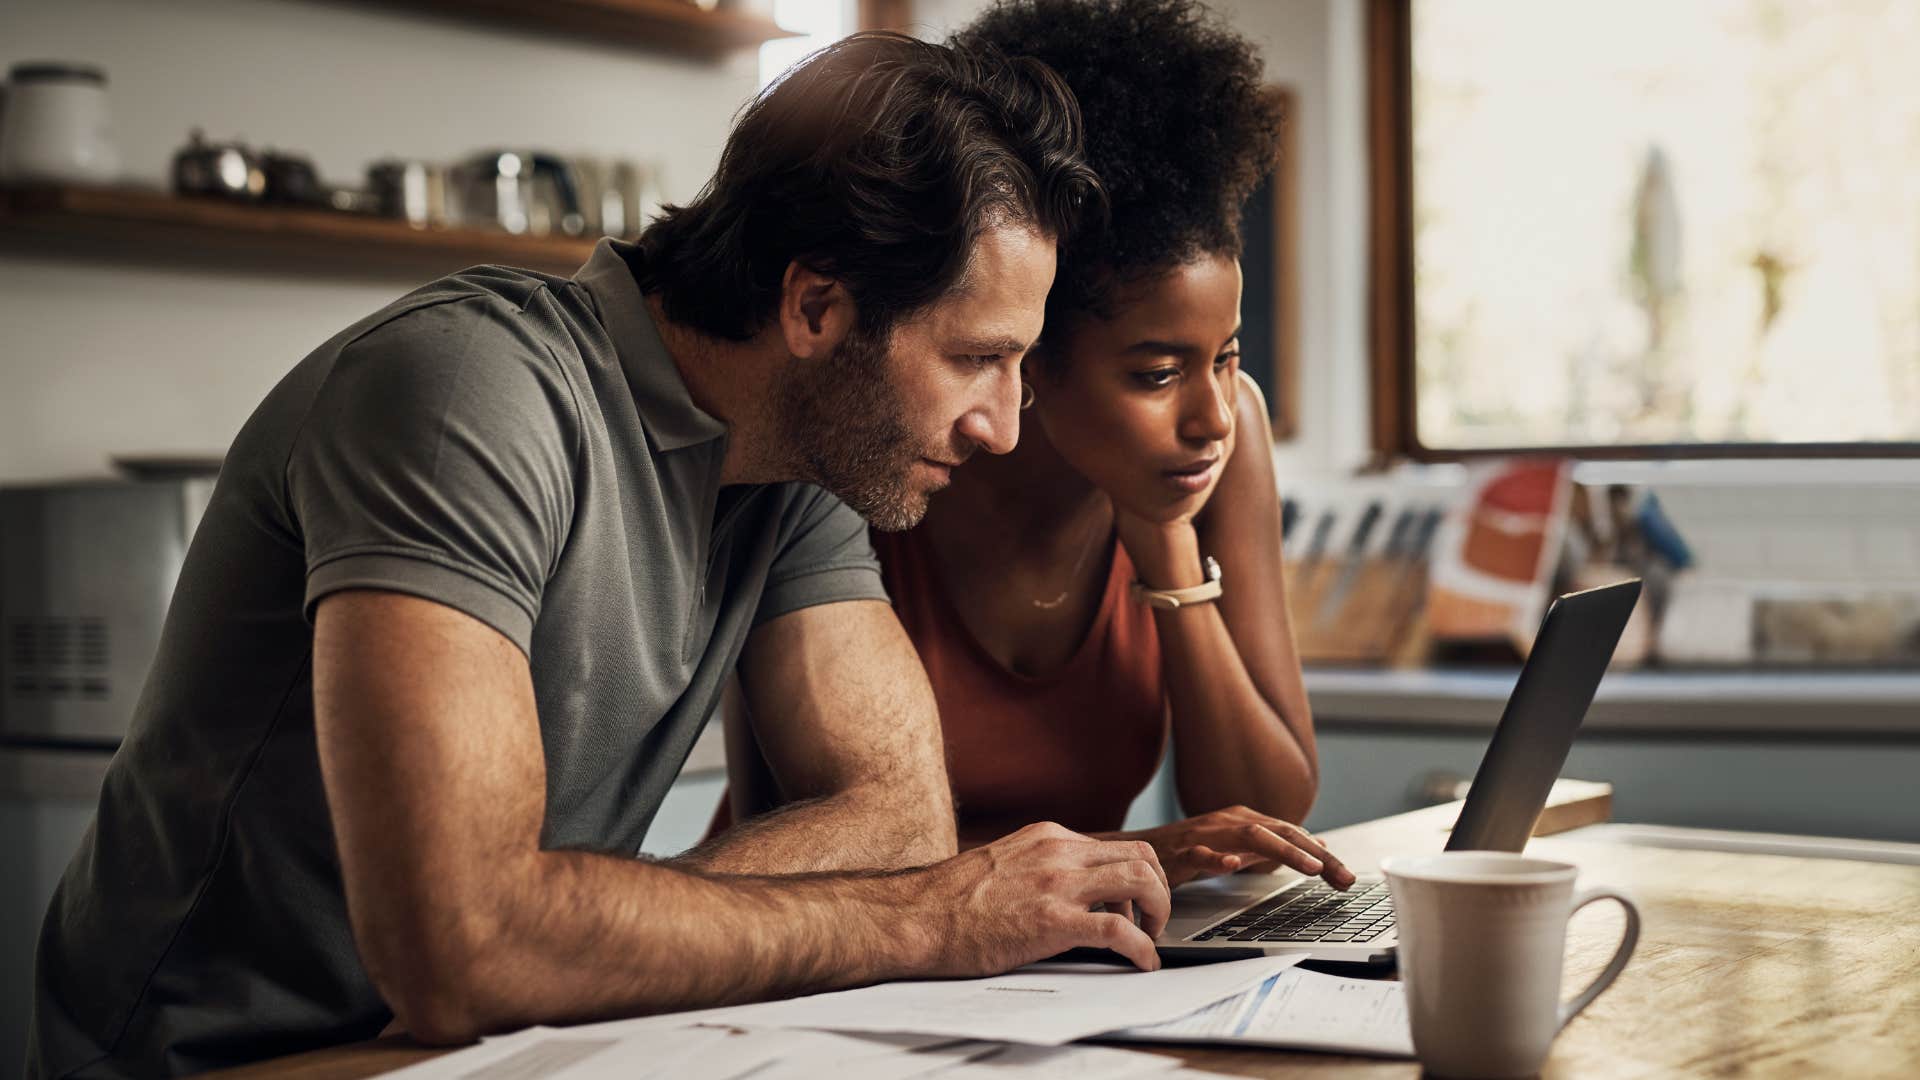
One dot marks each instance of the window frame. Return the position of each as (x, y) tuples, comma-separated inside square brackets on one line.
[(1392, 413), (1282, 245)]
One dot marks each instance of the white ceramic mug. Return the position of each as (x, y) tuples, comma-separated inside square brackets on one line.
[(1482, 937)]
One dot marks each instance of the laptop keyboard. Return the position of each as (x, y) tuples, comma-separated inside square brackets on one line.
[(1313, 912)]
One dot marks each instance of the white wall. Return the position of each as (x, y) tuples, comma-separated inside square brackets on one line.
[(1317, 48), (98, 358)]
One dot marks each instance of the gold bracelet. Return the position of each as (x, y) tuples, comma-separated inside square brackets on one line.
[(1170, 599)]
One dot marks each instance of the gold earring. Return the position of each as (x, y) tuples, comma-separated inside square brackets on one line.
[(1026, 395)]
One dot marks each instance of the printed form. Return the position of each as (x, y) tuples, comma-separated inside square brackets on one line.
[(1299, 1010), (1046, 1004)]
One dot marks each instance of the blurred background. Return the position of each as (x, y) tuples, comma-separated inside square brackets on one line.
[(1543, 295)]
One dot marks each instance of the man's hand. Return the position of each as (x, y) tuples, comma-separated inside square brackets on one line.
[(1234, 839), (1030, 895)]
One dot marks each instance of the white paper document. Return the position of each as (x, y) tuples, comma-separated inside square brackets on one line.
[(1011, 1061), (857, 1057), (535, 1051), (712, 1053), (1302, 1010), (1047, 1006)]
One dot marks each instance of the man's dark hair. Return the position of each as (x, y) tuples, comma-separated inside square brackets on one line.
[(1179, 129), (876, 161)]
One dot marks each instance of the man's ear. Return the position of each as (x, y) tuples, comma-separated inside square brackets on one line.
[(816, 312)]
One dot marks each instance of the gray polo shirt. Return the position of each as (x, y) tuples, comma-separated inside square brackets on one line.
[(514, 445)]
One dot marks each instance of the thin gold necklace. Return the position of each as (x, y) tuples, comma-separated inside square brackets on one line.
[(1074, 574)]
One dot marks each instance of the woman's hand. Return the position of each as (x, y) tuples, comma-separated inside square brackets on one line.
[(1165, 552), (1235, 839)]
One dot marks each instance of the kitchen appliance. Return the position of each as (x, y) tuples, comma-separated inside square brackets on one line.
[(605, 214), (56, 128), (633, 187), (412, 191), (520, 193), (291, 180), (86, 574), (223, 170)]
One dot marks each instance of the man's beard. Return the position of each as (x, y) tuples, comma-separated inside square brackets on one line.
[(842, 419)]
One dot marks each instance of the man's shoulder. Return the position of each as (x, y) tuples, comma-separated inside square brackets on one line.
[(508, 309), (505, 333), (473, 353)]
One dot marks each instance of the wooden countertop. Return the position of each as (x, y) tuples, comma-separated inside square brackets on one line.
[(1748, 965)]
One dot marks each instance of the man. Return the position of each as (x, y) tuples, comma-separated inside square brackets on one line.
[(475, 572)]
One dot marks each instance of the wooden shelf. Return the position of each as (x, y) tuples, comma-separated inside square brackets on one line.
[(662, 25), (130, 223)]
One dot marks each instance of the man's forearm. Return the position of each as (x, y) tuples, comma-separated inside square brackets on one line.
[(871, 827), (578, 936)]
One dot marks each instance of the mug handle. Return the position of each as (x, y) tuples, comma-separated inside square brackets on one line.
[(1571, 1009)]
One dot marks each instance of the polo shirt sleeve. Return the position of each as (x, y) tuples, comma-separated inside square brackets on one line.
[(438, 461), (824, 557)]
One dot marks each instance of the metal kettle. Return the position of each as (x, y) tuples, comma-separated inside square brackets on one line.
[(520, 193)]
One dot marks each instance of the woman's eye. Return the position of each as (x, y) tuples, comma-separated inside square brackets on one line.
[(1158, 377), (1225, 358)]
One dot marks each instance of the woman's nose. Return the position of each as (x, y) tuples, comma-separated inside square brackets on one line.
[(1208, 412)]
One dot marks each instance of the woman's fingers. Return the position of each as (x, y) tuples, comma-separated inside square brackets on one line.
[(1330, 867), (1198, 861), (1336, 872), (1263, 843), (1205, 860)]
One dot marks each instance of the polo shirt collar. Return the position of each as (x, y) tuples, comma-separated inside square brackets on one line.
[(667, 410)]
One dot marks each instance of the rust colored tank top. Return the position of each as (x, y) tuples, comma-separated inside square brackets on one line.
[(1074, 746)]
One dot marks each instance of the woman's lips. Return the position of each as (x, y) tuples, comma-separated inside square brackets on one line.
[(1193, 478)]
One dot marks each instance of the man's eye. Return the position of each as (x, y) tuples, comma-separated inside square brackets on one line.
[(983, 359)]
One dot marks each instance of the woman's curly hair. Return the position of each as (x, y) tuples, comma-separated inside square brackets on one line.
[(1178, 126)]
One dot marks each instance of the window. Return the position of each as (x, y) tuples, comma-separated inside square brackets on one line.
[(1649, 224), (820, 23)]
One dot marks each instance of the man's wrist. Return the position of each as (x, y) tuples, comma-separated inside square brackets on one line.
[(909, 922)]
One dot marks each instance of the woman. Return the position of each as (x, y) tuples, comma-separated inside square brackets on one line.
[(1142, 463)]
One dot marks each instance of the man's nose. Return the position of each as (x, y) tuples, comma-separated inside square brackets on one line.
[(994, 423)]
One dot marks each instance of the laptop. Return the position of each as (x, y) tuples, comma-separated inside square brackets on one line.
[(1242, 915)]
